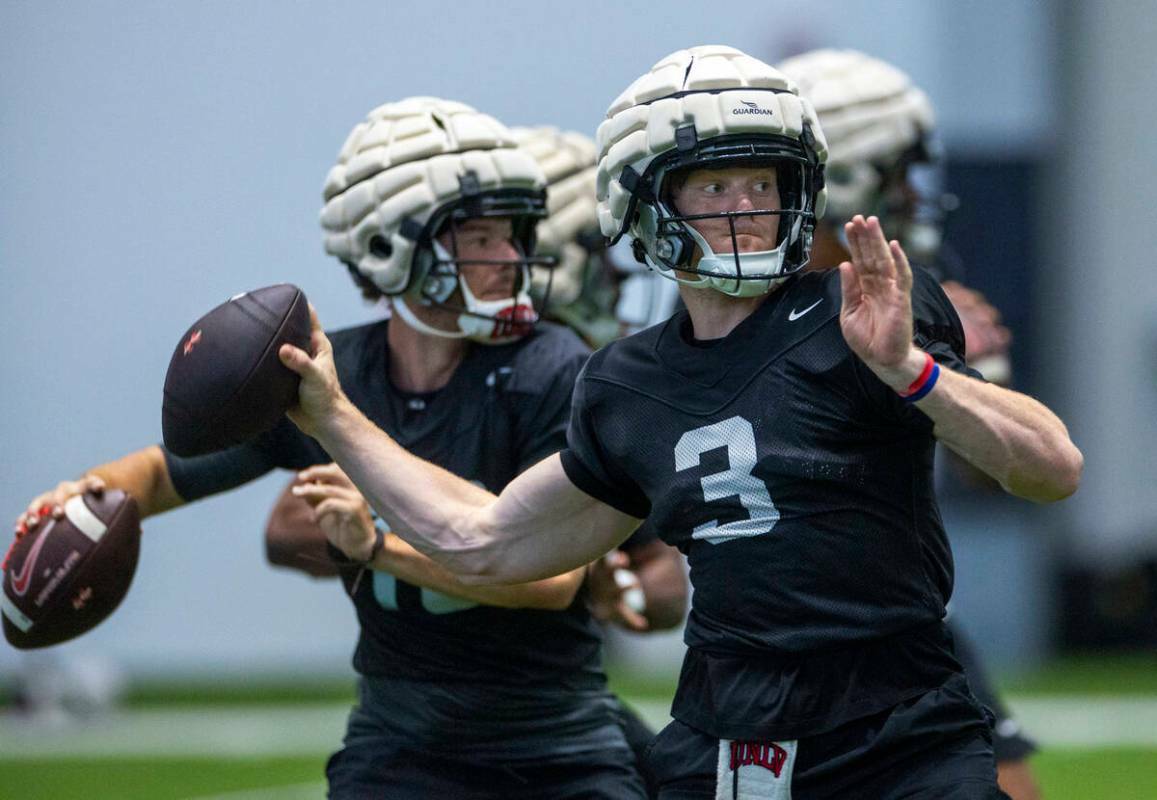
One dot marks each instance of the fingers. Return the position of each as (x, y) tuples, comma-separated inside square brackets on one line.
[(316, 493), (51, 504), (852, 234), (325, 473), (295, 359), (340, 506), (319, 342), (849, 287), (617, 559), (631, 619), (903, 268)]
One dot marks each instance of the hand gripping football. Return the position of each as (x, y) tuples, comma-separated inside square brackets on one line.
[(66, 575), (225, 383)]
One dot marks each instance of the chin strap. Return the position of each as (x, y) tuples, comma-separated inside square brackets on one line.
[(766, 264), (410, 318), (483, 321)]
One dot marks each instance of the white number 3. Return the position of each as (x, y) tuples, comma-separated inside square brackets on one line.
[(737, 435)]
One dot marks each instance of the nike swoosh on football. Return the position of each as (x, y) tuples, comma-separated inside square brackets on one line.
[(20, 579), (794, 315)]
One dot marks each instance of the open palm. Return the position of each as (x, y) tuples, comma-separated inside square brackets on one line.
[(876, 316)]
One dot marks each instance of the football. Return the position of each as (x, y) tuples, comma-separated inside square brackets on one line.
[(66, 575), (225, 383)]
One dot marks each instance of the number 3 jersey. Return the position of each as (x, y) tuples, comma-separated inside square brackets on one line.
[(800, 488)]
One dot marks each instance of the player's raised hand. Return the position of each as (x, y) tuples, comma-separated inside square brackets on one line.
[(320, 392), (876, 316)]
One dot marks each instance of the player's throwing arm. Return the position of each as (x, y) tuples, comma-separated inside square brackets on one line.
[(473, 533)]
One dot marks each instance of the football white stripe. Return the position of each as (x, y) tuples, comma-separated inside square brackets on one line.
[(14, 614), (84, 520)]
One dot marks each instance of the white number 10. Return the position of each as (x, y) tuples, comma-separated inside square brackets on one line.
[(737, 435)]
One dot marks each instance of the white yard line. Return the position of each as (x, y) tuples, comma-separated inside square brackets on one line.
[(297, 791), (239, 732), (226, 732)]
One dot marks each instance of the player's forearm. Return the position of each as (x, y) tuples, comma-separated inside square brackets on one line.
[(1010, 436), (143, 475), (432, 509), (404, 562)]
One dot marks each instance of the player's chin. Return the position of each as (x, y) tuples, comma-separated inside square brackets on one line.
[(747, 242)]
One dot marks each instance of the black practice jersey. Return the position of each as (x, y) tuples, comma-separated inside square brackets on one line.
[(800, 488), (505, 408)]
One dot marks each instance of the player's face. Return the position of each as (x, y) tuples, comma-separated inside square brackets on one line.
[(477, 241), (716, 191)]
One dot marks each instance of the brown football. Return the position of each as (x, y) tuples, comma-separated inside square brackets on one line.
[(226, 383), (66, 575)]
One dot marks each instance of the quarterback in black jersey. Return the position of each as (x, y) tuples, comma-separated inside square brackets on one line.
[(780, 431), (464, 691)]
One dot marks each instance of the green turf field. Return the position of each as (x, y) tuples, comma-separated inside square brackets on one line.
[(162, 779), (1113, 774), (230, 763)]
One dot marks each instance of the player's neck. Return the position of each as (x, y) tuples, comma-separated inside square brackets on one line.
[(714, 314), (419, 362)]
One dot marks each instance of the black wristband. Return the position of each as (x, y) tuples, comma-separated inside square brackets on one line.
[(338, 557)]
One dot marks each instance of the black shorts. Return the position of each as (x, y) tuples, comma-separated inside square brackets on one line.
[(407, 739), (639, 737), (374, 771), (934, 747), (384, 756)]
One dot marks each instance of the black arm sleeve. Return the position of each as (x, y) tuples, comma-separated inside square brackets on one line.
[(200, 476)]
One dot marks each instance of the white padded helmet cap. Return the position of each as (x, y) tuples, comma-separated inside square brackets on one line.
[(702, 85), (568, 159), (871, 114), (719, 92), (404, 162)]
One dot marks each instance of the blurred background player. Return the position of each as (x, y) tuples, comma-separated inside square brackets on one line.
[(641, 586), (463, 691), (883, 159)]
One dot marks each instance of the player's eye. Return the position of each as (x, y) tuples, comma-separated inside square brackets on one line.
[(712, 188), (763, 187)]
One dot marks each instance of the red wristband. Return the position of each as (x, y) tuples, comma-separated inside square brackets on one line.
[(925, 374)]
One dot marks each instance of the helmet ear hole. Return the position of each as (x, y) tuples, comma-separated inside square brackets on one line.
[(380, 247)]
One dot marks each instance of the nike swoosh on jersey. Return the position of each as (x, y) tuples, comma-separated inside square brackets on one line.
[(20, 579), (794, 315)]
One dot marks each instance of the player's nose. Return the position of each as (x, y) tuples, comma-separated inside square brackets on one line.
[(743, 201)]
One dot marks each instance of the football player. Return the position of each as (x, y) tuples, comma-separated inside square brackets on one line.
[(464, 691), (780, 431), (882, 159), (640, 587)]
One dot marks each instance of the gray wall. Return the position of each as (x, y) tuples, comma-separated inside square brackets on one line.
[(1100, 312), (158, 158)]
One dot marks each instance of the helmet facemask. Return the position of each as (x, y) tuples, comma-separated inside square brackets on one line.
[(669, 240), (441, 283)]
